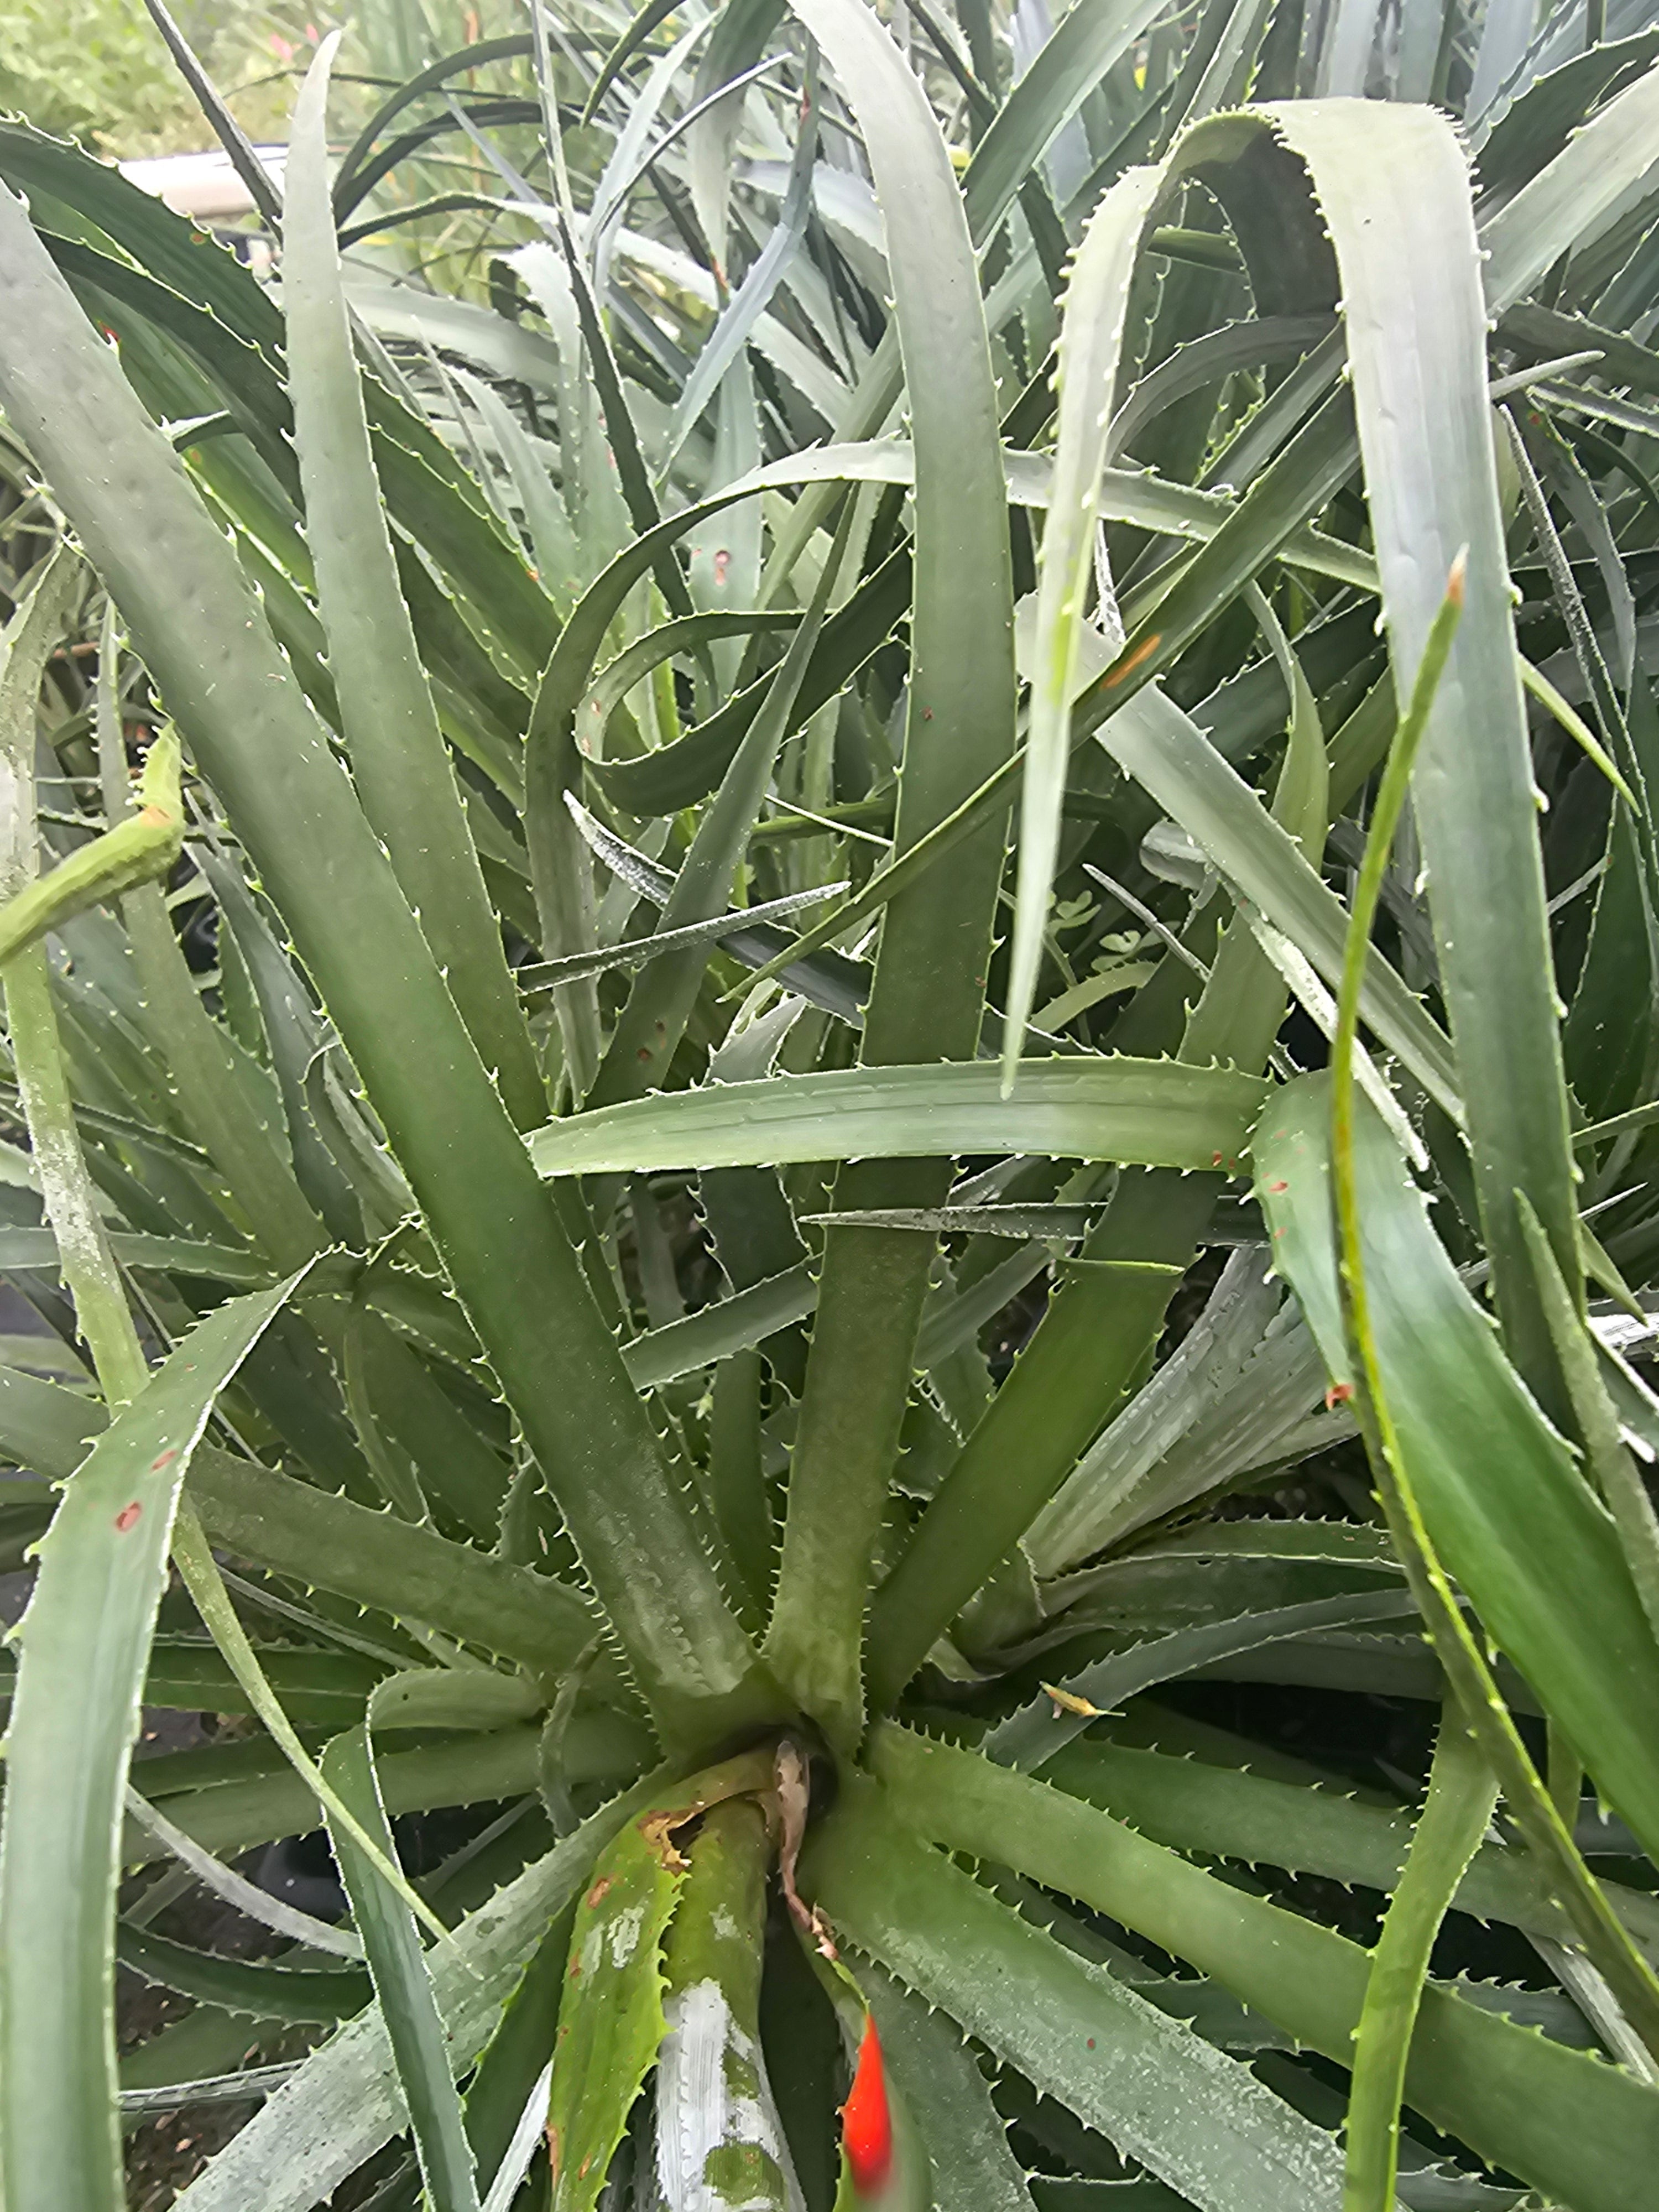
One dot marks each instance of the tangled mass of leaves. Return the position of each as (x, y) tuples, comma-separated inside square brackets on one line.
[(827, 910)]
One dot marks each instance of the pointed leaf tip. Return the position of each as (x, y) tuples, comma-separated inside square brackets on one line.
[(867, 2117)]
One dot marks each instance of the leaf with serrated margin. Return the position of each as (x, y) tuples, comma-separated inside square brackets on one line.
[(1090, 344), (199, 630), (1030, 1737), (399, 761), (1415, 315), (928, 999), (947, 2097), (1156, 1112), (1261, 1820), (1507, 1510), (611, 2022), (1575, 2129), (1198, 2118), (402, 1985), (85, 1642), (304, 1533), (1167, 753), (230, 1817)]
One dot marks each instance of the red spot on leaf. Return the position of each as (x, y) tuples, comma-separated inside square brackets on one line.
[(596, 1895), (156, 1465), (722, 563), (128, 1517), (1277, 1187), (1131, 661), (1338, 1394), (866, 2119)]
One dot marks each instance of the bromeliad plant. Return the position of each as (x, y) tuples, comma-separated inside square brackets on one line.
[(816, 797)]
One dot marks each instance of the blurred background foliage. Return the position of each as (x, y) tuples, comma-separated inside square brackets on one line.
[(95, 70)]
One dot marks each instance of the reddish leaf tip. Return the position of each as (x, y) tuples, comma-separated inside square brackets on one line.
[(866, 2118)]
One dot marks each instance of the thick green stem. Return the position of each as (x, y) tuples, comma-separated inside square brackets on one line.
[(135, 851), (711, 2004)]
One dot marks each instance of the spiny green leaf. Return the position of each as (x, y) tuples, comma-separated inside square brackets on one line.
[(1029, 1738), (242, 1985), (1090, 341), (1499, 2088), (1416, 321), (1221, 2139), (1456, 1812), (391, 730), (1121, 1109), (230, 1817), (103, 1566), (611, 2022), (1517, 1548), (402, 1983), (927, 998), (1195, 1805), (204, 640)]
